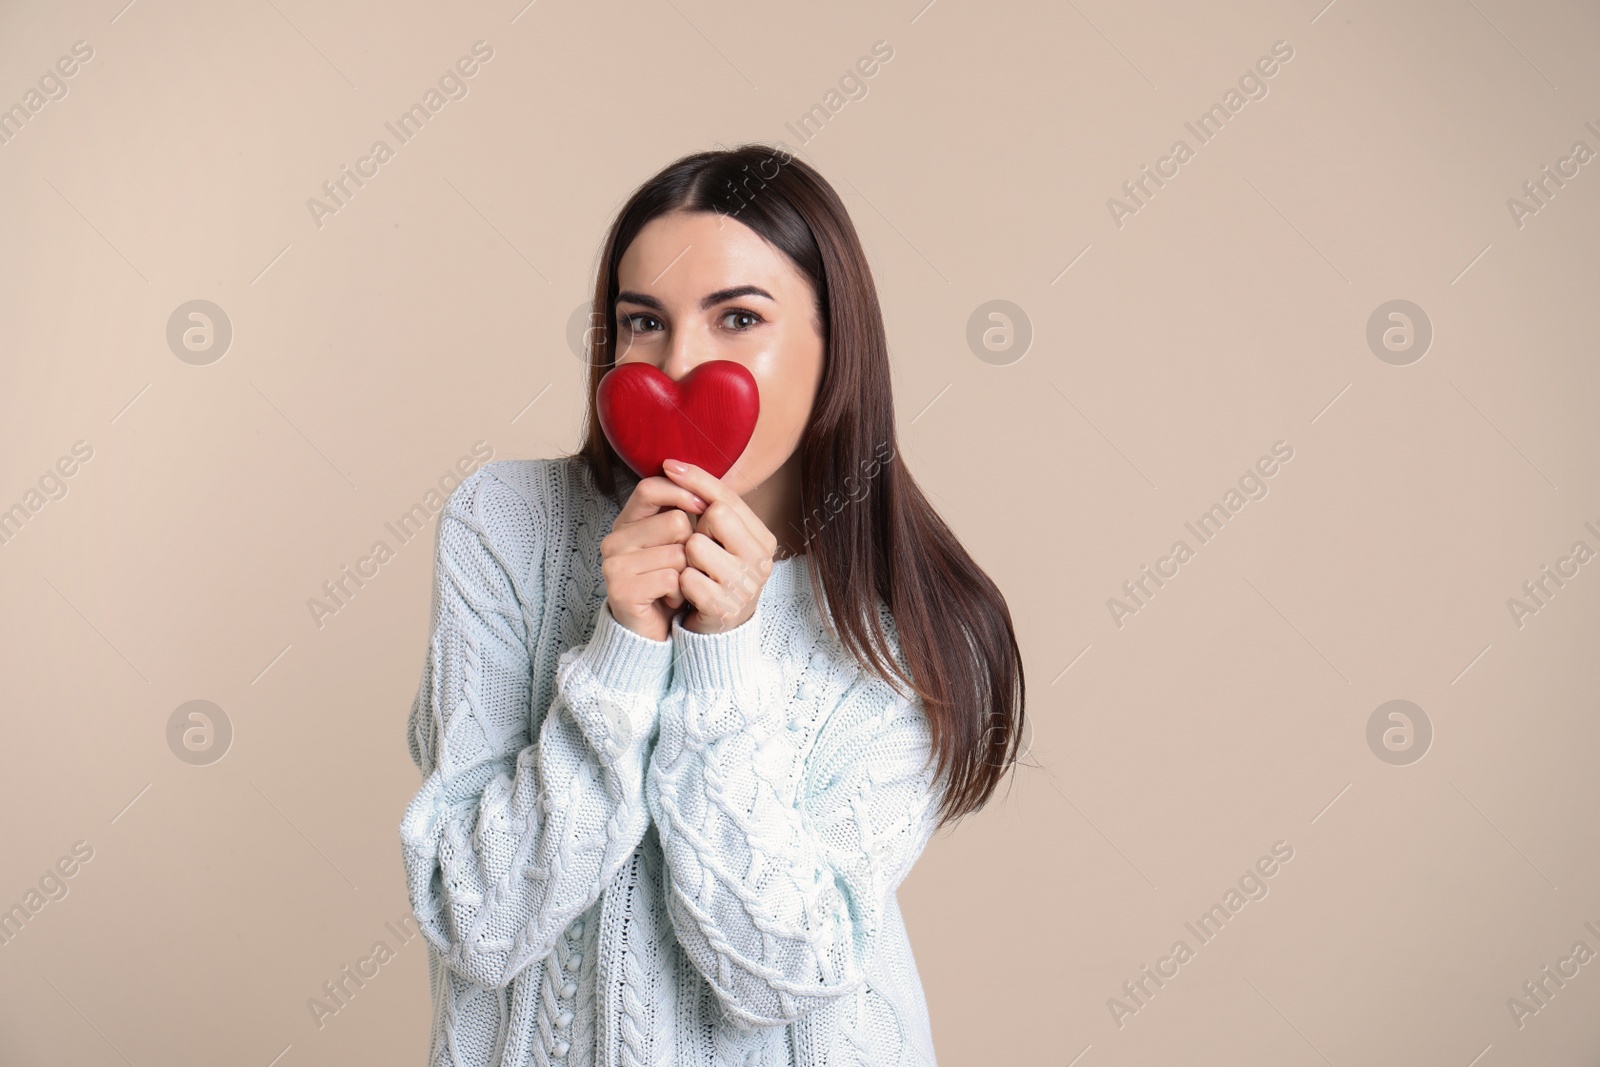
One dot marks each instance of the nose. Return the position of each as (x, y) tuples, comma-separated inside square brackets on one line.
[(683, 354)]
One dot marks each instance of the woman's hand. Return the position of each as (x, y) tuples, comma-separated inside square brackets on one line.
[(644, 553), (729, 554)]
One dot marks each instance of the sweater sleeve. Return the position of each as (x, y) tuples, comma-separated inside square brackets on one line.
[(783, 847), (524, 813)]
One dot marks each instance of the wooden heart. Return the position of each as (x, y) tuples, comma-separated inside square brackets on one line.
[(705, 419)]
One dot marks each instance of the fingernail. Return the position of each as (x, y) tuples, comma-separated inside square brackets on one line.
[(675, 466), (698, 501)]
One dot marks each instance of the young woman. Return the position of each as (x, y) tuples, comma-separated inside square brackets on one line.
[(682, 737)]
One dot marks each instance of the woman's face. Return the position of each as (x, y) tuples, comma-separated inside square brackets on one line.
[(698, 286)]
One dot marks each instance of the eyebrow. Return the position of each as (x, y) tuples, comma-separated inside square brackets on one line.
[(710, 300)]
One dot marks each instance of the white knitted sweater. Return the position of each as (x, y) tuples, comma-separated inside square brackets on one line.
[(638, 852)]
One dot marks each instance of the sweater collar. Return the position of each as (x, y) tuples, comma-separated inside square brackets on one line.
[(790, 577)]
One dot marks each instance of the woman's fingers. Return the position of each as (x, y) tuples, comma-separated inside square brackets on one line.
[(730, 553), (714, 490), (715, 599), (654, 558), (642, 556), (719, 582), (653, 495), (727, 527), (670, 527), (640, 570)]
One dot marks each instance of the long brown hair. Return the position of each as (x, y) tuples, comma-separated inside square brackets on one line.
[(954, 628)]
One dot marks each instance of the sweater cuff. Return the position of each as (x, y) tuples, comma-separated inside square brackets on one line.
[(727, 660), (626, 661)]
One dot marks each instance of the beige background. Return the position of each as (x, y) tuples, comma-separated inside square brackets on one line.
[(1229, 313)]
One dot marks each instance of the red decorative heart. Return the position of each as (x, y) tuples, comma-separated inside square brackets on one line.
[(705, 419)]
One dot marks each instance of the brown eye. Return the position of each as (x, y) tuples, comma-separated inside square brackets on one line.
[(632, 322), (743, 320)]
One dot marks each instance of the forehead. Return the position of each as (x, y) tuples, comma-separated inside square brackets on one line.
[(696, 252)]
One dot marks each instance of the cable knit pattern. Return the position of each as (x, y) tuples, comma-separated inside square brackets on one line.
[(645, 853)]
